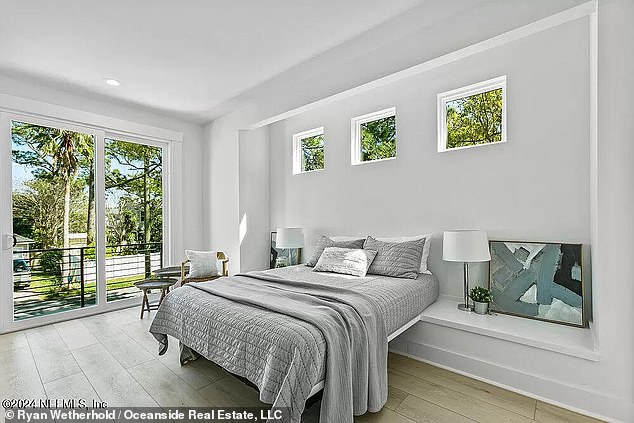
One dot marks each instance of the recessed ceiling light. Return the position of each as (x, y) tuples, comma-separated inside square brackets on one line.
[(112, 82)]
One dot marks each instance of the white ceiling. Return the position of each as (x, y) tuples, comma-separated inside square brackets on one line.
[(183, 57)]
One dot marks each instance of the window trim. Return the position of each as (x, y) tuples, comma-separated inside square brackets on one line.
[(469, 90), (297, 149), (356, 122)]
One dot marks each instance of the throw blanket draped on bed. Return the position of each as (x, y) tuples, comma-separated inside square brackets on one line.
[(351, 324)]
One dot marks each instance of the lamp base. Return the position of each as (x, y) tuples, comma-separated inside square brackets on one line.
[(465, 307)]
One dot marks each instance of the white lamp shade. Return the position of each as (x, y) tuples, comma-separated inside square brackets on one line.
[(465, 246), (289, 238)]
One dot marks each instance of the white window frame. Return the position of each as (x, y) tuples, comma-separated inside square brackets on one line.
[(356, 123), (478, 88), (100, 127), (297, 149)]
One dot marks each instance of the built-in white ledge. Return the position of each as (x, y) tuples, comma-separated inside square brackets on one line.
[(573, 341)]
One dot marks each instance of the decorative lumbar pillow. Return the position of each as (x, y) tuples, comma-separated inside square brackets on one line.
[(347, 261), (423, 261), (202, 264), (325, 242), (397, 259)]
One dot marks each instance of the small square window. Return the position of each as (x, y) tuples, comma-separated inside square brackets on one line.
[(308, 151), (374, 136), (472, 116)]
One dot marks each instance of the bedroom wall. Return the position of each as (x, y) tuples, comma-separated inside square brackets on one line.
[(254, 214), (434, 28), (604, 387), (534, 187)]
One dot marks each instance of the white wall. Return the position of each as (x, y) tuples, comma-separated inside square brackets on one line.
[(189, 156), (605, 387), (615, 227), (534, 187), (254, 230), (435, 28)]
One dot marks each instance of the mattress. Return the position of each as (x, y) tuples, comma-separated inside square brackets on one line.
[(399, 299)]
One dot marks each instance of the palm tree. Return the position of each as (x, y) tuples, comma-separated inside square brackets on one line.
[(55, 155)]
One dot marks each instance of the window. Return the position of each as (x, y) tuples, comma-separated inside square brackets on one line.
[(87, 213), (472, 116), (308, 151), (134, 215), (53, 200), (374, 136)]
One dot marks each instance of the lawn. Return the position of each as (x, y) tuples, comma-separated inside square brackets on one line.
[(48, 286)]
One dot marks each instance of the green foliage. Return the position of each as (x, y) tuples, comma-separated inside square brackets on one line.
[(313, 153), (123, 222), (55, 158), (134, 177), (62, 164), (378, 139), (480, 294), (476, 119), (52, 152), (51, 263), (38, 211)]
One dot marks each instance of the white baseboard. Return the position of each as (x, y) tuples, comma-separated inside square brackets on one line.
[(579, 400)]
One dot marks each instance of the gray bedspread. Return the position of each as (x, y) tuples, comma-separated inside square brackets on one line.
[(284, 336)]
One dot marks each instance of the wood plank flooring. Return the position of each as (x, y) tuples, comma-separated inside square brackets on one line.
[(112, 357)]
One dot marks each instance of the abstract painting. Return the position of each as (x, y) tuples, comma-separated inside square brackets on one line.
[(539, 280), (288, 256)]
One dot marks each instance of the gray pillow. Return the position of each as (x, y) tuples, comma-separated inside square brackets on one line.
[(325, 242), (396, 259), (347, 261)]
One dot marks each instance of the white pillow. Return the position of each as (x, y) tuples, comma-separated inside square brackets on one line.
[(347, 261), (202, 264), (426, 247)]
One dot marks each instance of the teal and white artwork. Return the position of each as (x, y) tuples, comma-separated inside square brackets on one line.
[(538, 280)]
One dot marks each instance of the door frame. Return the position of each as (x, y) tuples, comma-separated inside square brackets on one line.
[(7, 324)]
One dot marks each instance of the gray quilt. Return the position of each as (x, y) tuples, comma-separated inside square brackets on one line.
[(277, 333)]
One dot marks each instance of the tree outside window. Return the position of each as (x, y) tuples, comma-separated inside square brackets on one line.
[(308, 151), (378, 139), (313, 153), (472, 116), (474, 120)]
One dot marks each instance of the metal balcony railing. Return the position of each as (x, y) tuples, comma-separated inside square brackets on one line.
[(57, 279)]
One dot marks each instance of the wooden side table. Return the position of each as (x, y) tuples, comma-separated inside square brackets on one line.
[(146, 285)]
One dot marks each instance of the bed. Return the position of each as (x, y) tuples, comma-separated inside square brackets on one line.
[(285, 354)]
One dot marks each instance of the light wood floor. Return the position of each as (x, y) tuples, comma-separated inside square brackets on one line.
[(112, 357)]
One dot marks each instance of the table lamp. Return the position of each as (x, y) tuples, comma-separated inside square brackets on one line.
[(465, 246), (288, 238)]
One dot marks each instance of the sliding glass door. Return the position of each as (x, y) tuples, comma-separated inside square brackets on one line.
[(52, 197), (134, 215), (82, 218)]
